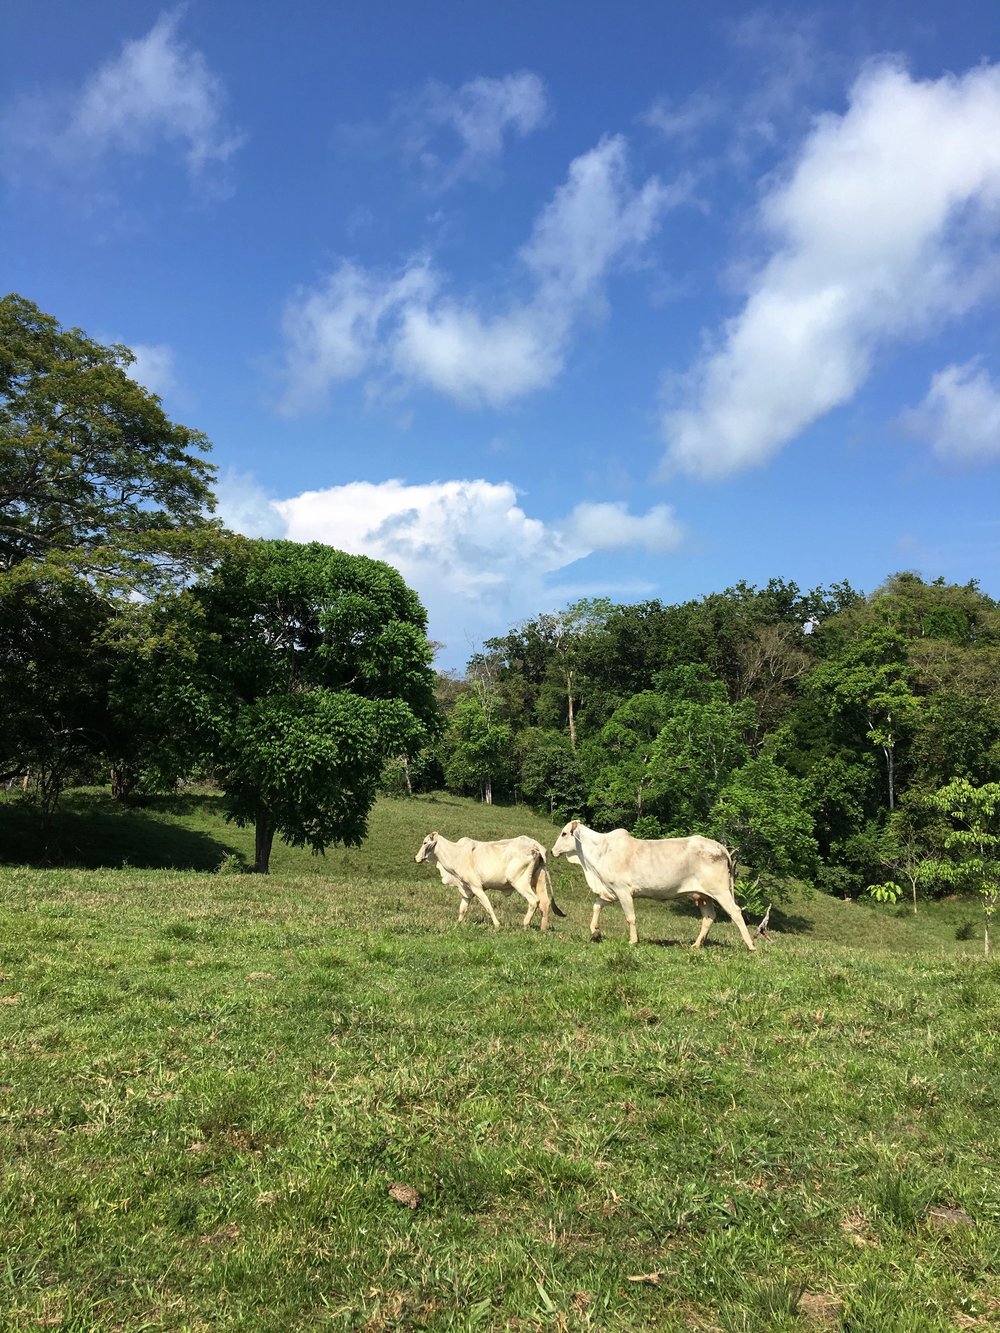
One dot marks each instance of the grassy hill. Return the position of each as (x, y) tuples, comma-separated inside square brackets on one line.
[(209, 1082)]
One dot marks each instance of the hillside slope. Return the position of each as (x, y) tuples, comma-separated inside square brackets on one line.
[(212, 1082)]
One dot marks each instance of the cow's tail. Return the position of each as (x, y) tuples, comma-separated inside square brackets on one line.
[(540, 879)]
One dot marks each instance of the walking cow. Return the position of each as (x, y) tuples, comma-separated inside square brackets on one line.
[(510, 865), (619, 868)]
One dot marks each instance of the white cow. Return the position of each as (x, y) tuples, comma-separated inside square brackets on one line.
[(510, 865), (619, 868)]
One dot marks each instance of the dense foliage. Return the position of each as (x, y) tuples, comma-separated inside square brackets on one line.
[(140, 643), (847, 740), (292, 673), (811, 731), (103, 499), (94, 476)]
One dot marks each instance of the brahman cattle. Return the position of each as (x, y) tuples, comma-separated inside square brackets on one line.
[(619, 868), (510, 865)]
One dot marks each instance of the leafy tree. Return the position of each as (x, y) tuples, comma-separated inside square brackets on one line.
[(616, 762), (867, 683), (762, 816), (54, 668), (666, 753), (538, 668), (906, 846), (480, 749), (100, 495), (294, 672), (94, 477), (550, 773), (974, 843), (697, 749)]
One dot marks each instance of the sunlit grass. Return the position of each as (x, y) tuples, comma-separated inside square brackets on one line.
[(210, 1082)]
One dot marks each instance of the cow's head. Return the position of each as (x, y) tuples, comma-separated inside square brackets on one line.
[(565, 844), (426, 848)]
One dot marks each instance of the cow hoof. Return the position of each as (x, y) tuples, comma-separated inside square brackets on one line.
[(596, 937)]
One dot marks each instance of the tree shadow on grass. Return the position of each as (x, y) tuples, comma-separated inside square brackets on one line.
[(788, 923), (781, 923), (92, 833)]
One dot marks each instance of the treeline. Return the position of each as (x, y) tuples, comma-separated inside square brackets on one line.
[(840, 738), (850, 741)]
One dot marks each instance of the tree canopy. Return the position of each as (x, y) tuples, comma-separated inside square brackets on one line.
[(94, 476), (293, 673)]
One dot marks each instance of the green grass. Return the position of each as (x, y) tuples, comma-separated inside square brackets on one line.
[(208, 1083)]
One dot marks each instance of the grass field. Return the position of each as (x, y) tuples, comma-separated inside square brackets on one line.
[(209, 1083)]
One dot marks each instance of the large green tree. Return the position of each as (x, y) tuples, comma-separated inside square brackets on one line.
[(54, 671), (294, 672), (93, 474), (101, 496)]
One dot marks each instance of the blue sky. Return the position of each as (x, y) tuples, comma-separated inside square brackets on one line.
[(540, 301)]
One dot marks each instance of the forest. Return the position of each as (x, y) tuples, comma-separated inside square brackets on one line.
[(846, 740)]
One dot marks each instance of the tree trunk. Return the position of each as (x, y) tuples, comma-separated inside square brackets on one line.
[(488, 792), (263, 839), (406, 776), (889, 752), (569, 710), (124, 780)]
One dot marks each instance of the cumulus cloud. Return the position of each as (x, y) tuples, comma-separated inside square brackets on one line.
[(608, 526), (960, 415), (478, 560), (244, 506), (156, 90), (407, 326), (472, 121), (153, 367), (880, 231)]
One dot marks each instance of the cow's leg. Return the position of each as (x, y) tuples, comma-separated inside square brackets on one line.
[(522, 883), (463, 908), (595, 921), (707, 909), (531, 898), (544, 895), (731, 908), (482, 899), (628, 907)]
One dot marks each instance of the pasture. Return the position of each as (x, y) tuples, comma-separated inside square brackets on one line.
[(209, 1082)]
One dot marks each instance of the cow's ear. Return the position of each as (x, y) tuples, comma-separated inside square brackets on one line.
[(574, 826), (432, 837)]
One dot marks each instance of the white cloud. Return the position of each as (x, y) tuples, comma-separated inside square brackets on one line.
[(153, 367), (334, 332), (157, 90), (477, 559), (881, 231), (960, 416), (478, 115), (684, 121), (789, 59), (407, 327), (477, 360), (609, 526), (244, 506), (595, 220)]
